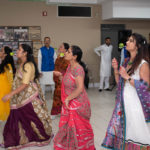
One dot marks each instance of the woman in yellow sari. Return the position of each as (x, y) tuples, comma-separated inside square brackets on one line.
[(7, 70)]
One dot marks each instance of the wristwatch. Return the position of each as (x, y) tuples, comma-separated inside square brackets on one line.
[(129, 79)]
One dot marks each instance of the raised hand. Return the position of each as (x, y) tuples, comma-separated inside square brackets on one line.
[(115, 64), (57, 73), (123, 73), (6, 97)]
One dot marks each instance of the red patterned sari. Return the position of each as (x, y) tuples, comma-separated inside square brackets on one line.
[(75, 131)]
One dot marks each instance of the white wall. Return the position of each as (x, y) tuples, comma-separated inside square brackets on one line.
[(84, 32), (126, 9)]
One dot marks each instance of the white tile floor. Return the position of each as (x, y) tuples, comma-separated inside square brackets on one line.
[(102, 104)]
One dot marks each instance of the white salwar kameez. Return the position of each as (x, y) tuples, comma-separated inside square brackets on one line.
[(105, 52), (137, 130)]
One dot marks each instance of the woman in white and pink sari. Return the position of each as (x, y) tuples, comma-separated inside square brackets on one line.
[(75, 131)]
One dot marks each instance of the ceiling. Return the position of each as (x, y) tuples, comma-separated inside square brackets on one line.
[(76, 1), (65, 1)]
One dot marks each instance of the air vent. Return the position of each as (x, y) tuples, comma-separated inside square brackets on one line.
[(74, 11)]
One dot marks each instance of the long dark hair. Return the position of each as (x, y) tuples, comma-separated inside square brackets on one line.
[(7, 60), (142, 52), (30, 58), (76, 50), (66, 46)]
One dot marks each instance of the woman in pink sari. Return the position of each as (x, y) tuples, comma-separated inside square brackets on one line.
[(75, 131)]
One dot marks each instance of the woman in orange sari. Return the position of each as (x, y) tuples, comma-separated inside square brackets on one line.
[(60, 65), (75, 131)]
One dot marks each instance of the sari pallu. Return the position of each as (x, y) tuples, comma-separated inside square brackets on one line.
[(75, 131), (116, 132), (29, 123)]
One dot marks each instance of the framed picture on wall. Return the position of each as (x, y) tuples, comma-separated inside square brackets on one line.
[(9, 34), (2, 34), (12, 36), (8, 43), (15, 45), (35, 33), (36, 47), (21, 34), (1, 45)]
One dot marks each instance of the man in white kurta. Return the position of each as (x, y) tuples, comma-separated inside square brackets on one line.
[(105, 52), (46, 74)]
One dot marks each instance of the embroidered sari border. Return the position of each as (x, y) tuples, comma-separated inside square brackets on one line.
[(39, 144), (14, 106)]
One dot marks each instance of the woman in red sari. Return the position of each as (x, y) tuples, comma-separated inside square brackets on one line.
[(75, 131)]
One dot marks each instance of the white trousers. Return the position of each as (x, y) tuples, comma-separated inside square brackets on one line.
[(52, 86), (104, 82)]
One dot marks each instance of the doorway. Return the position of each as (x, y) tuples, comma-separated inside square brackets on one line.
[(111, 30)]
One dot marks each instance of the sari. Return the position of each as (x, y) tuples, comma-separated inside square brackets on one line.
[(116, 135), (29, 123), (6, 80), (60, 65), (75, 131)]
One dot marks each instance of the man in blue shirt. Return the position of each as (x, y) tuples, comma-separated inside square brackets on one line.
[(46, 61)]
